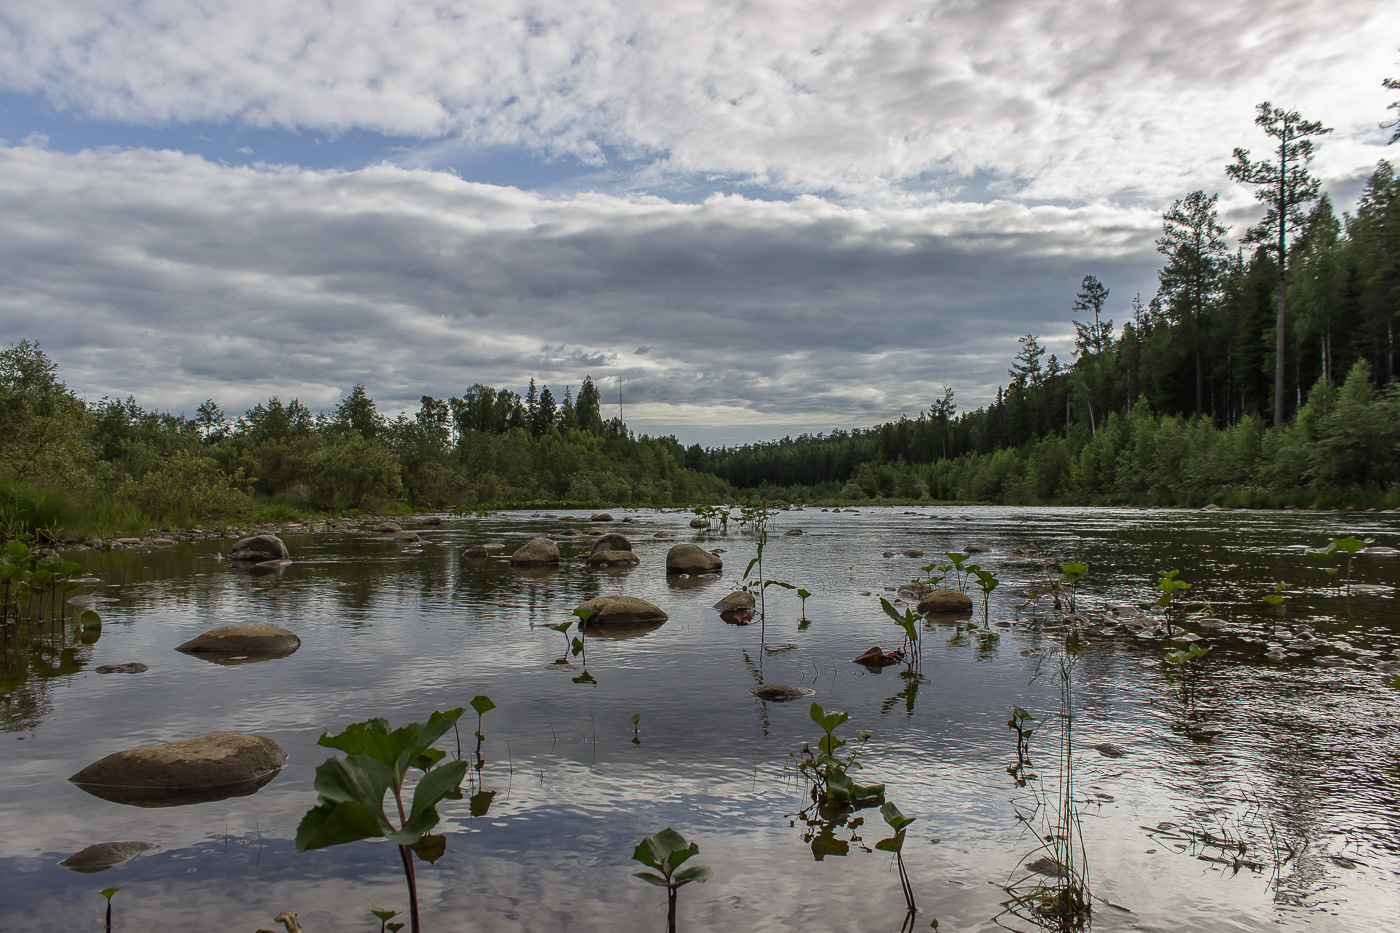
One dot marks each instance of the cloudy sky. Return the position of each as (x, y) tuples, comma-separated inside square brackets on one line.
[(764, 217)]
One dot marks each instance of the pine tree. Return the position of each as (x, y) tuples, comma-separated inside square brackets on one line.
[(1191, 241), (546, 413), (356, 412), (1285, 186), (588, 407)]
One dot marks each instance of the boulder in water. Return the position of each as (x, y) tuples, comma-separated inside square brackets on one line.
[(476, 552), (260, 548), (609, 558), (537, 552), (212, 767), (691, 558), (103, 856), (612, 542), (231, 642), (780, 692), (610, 610), (945, 599)]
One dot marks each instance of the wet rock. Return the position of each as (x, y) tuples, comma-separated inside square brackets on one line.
[(537, 552), (888, 554), (611, 610), (1389, 667), (691, 558), (243, 641), (601, 517), (126, 541), (260, 548), (737, 600), (432, 520), (161, 542), (407, 537), (570, 532), (212, 767), (131, 667), (1109, 750), (792, 533), (976, 549), (1211, 623), (629, 520), (780, 692), (913, 552), (1331, 661), (595, 531), (611, 558), (662, 534), (82, 601), (387, 528), (699, 523), (103, 856), (945, 599), (611, 542), (476, 552)]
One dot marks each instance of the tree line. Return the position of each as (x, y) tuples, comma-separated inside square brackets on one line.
[(1266, 372), (488, 446)]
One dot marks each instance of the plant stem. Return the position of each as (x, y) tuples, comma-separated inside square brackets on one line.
[(670, 910), (407, 855)]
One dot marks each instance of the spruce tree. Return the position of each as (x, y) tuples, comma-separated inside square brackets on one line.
[(1284, 185), (1191, 241)]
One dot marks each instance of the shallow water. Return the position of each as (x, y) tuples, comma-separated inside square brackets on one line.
[(1297, 760)]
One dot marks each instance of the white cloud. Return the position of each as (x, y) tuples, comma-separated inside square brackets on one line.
[(877, 100), (177, 279)]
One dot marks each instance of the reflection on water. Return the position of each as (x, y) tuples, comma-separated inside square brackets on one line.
[(1263, 796)]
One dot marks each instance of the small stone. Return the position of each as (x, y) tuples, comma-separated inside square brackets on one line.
[(476, 552), (1109, 750), (736, 601), (913, 552), (792, 532), (780, 692), (976, 549), (601, 517), (387, 528)]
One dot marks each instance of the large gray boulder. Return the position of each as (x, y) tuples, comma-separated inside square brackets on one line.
[(601, 517), (613, 610), (247, 641), (612, 542), (260, 548), (537, 552), (691, 558), (607, 558), (213, 767), (945, 600)]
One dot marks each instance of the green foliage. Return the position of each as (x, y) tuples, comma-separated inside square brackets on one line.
[(666, 852)]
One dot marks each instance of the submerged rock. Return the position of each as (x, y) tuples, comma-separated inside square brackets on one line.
[(792, 533), (387, 528), (406, 537), (260, 548), (945, 599), (476, 552), (913, 552), (609, 610), (976, 549), (699, 523), (601, 517), (131, 667), (230, 642), (1109, 750), (212, 767), (737, 600), (691, 558), (433, 520), (103, 856), (537, 552), (780, 692)]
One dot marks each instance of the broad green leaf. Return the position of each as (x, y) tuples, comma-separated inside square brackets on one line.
[(332, 824), (108, 892), (435, 785), (803, 594), (430, 848), (893, 844), (696, 873), (894, 818), (382, 914), (635, 718), (650, 878), (891, 611), (482, 704)]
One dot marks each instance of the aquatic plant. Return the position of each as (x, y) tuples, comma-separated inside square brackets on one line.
[(909, 624), (1187, 662), (351, 789), (1055, 892), (1168, 588), (829, 773), (482, 705), (107, 893), (899, 823), (1070, 575), (666, 852), (563, 629), (803, 595), (1325, 554), (579, 646), (1352, 546), (636, 721), (959, 575), (384, 915), (986, 582), (1020, 721)]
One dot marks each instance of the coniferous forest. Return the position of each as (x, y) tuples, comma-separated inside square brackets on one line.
[(1262, 373)]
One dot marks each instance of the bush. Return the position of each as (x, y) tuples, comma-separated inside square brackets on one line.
[(352, 472)]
